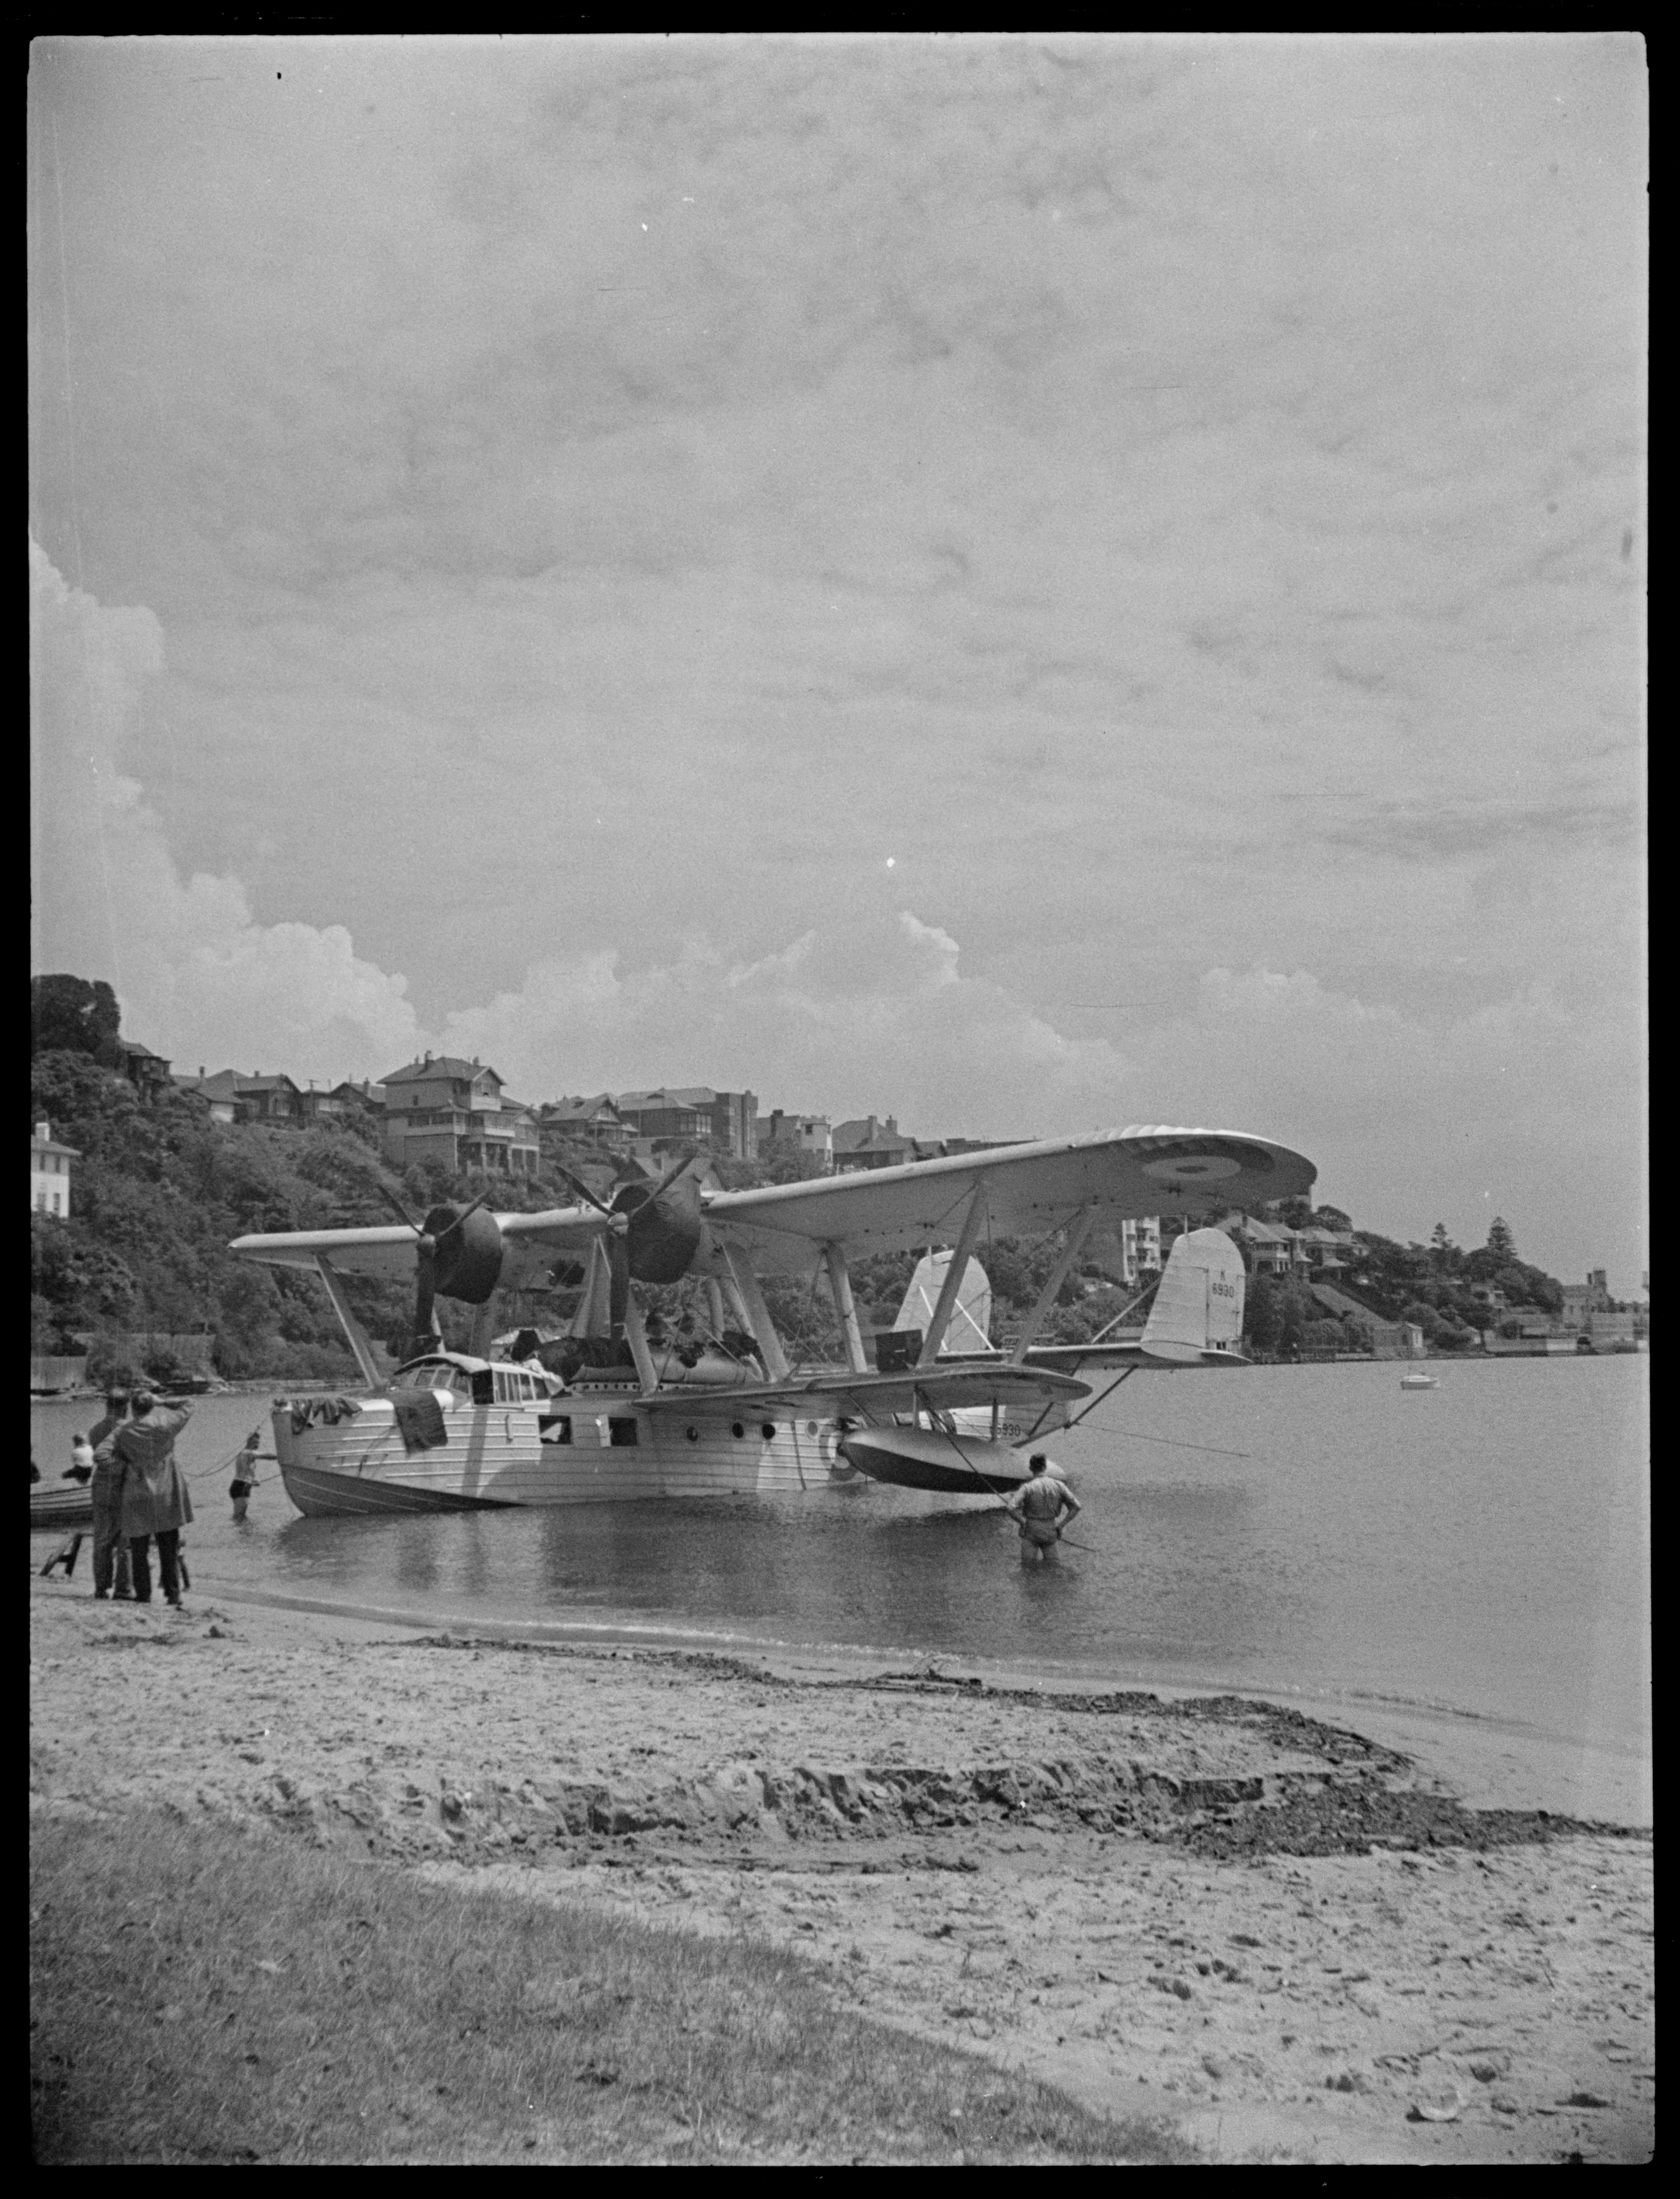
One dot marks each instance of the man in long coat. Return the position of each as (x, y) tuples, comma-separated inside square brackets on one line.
[(111, 1564), (152, 1491)]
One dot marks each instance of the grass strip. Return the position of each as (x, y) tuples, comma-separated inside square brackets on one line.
[(204, 1994)]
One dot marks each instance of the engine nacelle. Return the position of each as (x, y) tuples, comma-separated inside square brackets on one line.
[(469, 1258), (665, 1228)]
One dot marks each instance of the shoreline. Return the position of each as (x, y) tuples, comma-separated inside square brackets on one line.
[(1491, 1763), (1277, 1930)]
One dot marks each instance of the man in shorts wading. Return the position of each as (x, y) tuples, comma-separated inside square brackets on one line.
[(1043, 1507)]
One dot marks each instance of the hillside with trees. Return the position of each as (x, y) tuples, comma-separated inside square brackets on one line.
[(160, 1191)]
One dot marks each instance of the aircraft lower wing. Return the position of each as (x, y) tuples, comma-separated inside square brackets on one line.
[(946, 1388)]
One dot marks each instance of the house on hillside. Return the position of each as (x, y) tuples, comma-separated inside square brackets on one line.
[(232, 1096), (693, 1114), (867, 1143), (148, 1072), (1324, 1251), (456, 1113), (273, 1100), (800, 1133), (366, 1099), (1268, 1247), (330, 1103), (1581, 1300), (219, 1095), (49, 1173), (581, 1121)]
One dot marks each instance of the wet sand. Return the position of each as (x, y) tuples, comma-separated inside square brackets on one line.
[(1290, 1936)]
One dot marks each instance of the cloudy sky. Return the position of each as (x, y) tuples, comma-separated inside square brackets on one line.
[(1029, 584)]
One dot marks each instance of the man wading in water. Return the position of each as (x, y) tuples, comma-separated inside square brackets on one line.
[(1041, 1505)]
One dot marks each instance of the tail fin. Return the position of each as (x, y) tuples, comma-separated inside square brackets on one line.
[(970, 1328), (1200, 1305)]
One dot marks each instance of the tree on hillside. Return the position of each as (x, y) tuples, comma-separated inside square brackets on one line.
[(1447, 1256), (1500, 1243), (1262, 1315), (70, 1015)]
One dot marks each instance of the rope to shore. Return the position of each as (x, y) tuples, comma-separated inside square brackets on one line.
[(1131, 1435)]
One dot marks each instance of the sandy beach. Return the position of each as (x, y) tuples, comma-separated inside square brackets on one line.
[(1294, 1941)]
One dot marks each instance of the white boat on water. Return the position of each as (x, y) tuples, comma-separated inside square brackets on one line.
[(1419, 1382)]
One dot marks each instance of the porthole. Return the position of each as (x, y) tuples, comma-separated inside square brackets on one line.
[(693, 1434), (737, 1429), (767, 1429), (810, 1427)]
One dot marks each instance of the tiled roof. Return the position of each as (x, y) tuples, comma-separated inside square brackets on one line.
[(224, 1085), (699, 1097), (579, 1110), (441, 1064)]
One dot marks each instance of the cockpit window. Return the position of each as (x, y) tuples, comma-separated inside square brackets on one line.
[(434, 1374)]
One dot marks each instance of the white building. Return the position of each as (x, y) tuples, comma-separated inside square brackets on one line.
[(1140, 1247), (50, 1172)]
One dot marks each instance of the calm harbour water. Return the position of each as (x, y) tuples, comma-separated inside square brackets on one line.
[(1481, 1549)]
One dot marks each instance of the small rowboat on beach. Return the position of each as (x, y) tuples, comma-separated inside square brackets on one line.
[(70, 1505)]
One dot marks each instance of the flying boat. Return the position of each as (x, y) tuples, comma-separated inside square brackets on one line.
[(621, 1411)]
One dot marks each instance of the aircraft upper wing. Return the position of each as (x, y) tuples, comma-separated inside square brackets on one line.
[(535, 1245), (1029, 1189)]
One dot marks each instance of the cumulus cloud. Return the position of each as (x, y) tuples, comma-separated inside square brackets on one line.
[(876, 1013), (198, 977), (870, 1018)]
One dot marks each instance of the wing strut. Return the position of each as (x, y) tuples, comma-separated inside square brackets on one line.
[(1077, 1230), (840, 1282), (954, 1275), (758, 1314), (635, 1335), (355, 1334)]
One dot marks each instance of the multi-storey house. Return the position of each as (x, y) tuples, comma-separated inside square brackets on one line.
[(456, 1113)]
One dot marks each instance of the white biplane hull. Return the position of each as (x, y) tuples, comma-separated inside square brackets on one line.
[(572, 1450)]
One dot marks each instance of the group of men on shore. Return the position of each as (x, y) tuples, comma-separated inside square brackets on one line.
[(140, 1495)]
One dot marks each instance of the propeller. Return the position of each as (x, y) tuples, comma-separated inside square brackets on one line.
[(451, 1257), (655, 1233), (580, 1188)]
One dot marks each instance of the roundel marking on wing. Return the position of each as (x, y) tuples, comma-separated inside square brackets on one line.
[(1203, 1165)]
